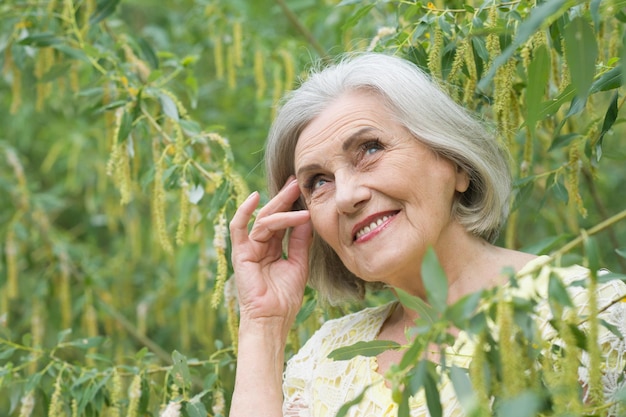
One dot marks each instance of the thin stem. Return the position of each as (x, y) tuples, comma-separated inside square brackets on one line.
[(293, 19), (580, 238), (132, 330)]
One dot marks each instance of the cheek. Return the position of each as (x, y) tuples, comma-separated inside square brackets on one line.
[(323, 223)]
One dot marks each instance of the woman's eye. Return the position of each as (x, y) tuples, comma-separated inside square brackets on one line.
[(316, 182), (372, 147)]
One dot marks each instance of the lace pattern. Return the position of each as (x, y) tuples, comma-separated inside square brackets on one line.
[(315, 386)]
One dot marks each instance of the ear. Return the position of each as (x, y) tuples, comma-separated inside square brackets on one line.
[(462, 179)]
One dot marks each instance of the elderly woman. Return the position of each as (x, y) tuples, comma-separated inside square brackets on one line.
[(369, 164)]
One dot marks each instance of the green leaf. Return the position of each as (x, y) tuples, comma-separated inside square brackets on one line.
[(86, 343), (180, 369), (433, 401), (343, 411), (592, 255), (560, 191), (550, 107), (104, 9), (435, 281), (557, 291), (609, 120), (581, 52), (168, 106), (370, 348), (538, 73), (526, 404), (412, 354), (40, 40), (195, 408), (464, 309), (125, 127), (463, 388), (305, 311), (358, 15), (426, 312), (148, 53), (609, 80), (563, 140), (621, 252), (540, 16)]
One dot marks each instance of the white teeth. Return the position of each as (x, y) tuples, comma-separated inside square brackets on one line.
[(371, 227)]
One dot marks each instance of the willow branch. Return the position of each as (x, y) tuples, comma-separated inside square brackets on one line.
[(293, 19), (132, 330)]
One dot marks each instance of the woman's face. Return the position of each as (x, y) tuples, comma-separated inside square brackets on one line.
[(376, 195)]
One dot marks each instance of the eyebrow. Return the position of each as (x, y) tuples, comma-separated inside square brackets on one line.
[(347, 144)]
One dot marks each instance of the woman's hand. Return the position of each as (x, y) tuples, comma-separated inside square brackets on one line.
[(270, 286)]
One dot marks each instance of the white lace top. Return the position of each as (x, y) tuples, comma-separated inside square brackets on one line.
[(315, 386)]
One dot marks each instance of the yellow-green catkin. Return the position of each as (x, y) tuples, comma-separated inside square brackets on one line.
[(10, 251), (56, 408), (231, 71), (564, 79), (615, 41), (288, 66), (183, 219), (240, 187), (472, 79), (218, 57), (219, 244), (219, 404), (118, 165), (158, 199), (43, 63), (566, 396), (74, 77), (573, 178), (277, 91), (457, 62), (232, 320), (434, 55), (11, 70), (595, 393), (259, 74), (134, 395), (116, 390), (18, 170), (27, 404), (477, 376), (513, 381), (237, 44)]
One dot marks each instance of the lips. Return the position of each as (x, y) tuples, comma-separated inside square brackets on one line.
[(371, 223)]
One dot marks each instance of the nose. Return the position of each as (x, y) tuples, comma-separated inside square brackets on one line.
[(350, 192)]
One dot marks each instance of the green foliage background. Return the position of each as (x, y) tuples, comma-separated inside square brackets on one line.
[(129, 131)]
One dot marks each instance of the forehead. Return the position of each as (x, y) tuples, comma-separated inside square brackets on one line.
[(357, 113)]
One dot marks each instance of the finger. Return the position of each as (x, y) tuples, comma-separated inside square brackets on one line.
[(275, 225), (283, 201), (300, 242), (241, 218)]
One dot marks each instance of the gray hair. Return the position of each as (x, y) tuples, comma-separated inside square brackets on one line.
[(429, 114)]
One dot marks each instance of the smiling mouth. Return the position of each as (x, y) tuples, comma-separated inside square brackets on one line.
[(373, 225)]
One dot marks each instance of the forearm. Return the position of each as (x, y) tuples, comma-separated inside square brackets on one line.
[(260, 363)]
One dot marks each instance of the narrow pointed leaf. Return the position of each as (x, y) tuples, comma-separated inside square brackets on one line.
[(371, 348), (426, 312), (581, 52)]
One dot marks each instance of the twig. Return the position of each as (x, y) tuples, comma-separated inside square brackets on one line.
[(293, 19), (132, 330), (602, 210)]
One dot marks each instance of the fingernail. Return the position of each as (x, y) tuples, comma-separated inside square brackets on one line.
[(251, 195)]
